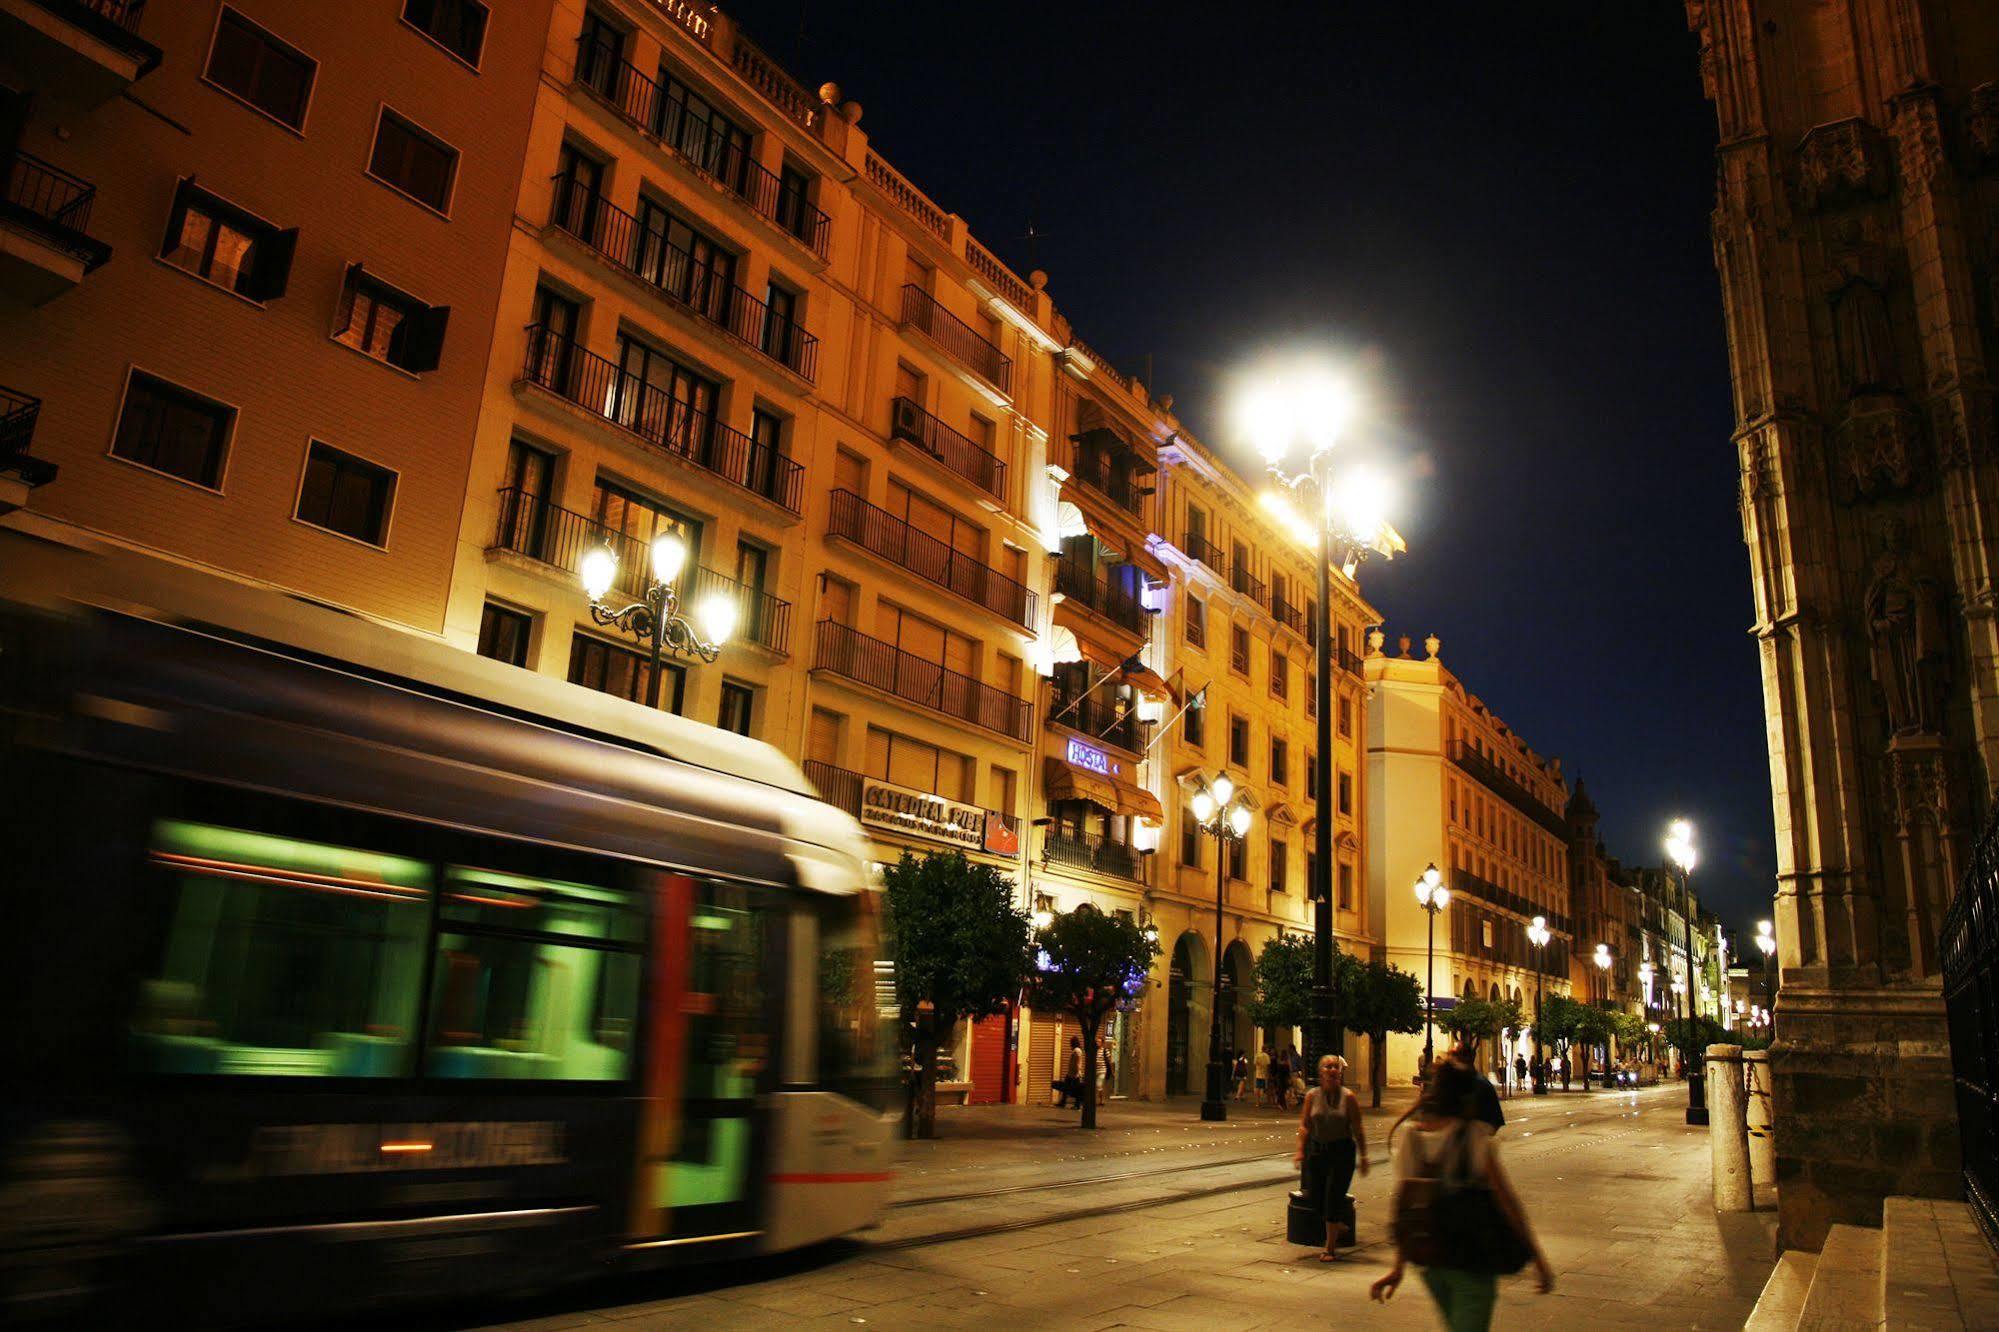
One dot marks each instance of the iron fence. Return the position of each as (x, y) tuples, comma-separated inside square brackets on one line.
[(905, 675), (882, 533), (955, 336), (1969, 943)]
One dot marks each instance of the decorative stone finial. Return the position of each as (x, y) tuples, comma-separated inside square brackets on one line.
[(1038, 279), (1403, 643), (851, 112), (1375, 638), (1433, 645), (1166, 402), (829, 93)]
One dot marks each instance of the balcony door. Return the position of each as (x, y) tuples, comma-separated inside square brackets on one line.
[(524, 500), (663, 400), (630, 522)]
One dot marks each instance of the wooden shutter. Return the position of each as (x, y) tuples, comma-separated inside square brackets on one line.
[(272, 269), (422, 338)]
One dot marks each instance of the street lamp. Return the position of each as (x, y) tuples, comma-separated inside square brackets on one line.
[(1766, 940), (1308, 413), (1222, 812), (655, 619), (1537, 934), (1680, 850), (1432, 896), (1602, 960)]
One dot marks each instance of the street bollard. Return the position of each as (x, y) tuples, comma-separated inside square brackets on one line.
[(1728, 1129), (1762, 1140)]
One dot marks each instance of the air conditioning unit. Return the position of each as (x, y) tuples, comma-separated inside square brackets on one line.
[(906, 420)]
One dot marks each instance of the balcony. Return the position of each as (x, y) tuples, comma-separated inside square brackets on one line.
[(958, 453), (1347, 659), (1247, 583), (904, 675), (606, 390), (1494, 779), (686, 282), (45, 248), (1099, 717), (1076, 581), (532, 527), (1290, 616), (845, 789), (1081, 851), (880, 532), (83, 52), (1109, 466), (642, 103), (18, 414), (1207, 552), (958, 339), (1471, 885)]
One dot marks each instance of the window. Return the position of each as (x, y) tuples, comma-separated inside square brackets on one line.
[(1346, 792), (388, 324), (1194, 723), (1485, 931), (1002, 790), (1239, 859), (1239, 649), (504, 634), (1312, 775), (1197, 621), (1280, 878), (781, 329), (248, 62), (600, 55), (1239, 741), (1197, 532), (1280, 762), (1190, 841), (171, 430), (214, 240), (1280, 674), (612, 668), (1346, 885), (1346, 715), (908, 762), (459, 26), (692, 126), (738, 700), (795, 212), (413, 161), (345, 494)]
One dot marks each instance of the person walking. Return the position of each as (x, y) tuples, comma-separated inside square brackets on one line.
[(1447, 1154), (1241, 1076), (1280, 1078), (1332, 1144), (1465, 1055), (1070, 1084), (1520, 1071), (1262, 1074)]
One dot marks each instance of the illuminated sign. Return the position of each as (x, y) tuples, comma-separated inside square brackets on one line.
[(1091, 759), (899, 809)]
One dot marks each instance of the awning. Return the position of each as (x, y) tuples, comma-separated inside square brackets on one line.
[(1149, 564), (1139, 803), (1066, 781), (1149, 683)]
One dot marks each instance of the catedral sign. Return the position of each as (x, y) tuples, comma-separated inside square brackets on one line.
[(902, 810)]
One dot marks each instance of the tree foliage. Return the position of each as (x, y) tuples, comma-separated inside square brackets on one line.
[(1374, 999), (1692, 1038), (1480, 1019), (1086, 964), (1283, 981), (960, 945)]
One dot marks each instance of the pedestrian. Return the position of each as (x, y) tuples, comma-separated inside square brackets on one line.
[(1280, 1077), (1520, 1069), (1465, 1055), (1241, 1076), (1070, 1084), (1109, 1067), (1262, 1075), (1456, 1214), (1332, 1144)]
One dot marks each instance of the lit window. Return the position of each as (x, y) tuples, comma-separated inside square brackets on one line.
[(212, 239)]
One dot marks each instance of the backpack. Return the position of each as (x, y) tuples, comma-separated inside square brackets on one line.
[(1451, 1218)]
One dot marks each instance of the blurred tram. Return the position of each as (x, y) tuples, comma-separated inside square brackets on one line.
[(343, 967)]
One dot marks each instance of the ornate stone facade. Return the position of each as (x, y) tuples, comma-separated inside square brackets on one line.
[(1856, 233)]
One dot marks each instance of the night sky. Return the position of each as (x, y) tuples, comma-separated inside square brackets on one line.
[(1499, 214)]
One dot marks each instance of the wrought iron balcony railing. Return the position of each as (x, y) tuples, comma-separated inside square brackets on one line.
[(603, 388), (1206, 551), (1290, 616), (1092, 853), (904, 675), (1108, 597), (682, 278), (1496, 779), (1247, 583), (964, 343), (882, 533), (646, 104), (530, 525), (1099, 717), (1096, 471), (54, 205), (18, 413), (959, 453)]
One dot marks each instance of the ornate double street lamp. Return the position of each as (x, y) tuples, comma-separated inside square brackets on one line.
[(655, 618), (1347, 520), (1538, 935), (1222, 812), (1432, 896), (1602, 960), (1766, 940), (1680, 850)]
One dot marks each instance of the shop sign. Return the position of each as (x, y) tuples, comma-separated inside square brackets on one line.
[(1091, 759), (918, 813)]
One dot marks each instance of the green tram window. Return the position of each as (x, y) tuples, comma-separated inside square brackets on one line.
[(282, 956), (728, 1047), (535, 978)]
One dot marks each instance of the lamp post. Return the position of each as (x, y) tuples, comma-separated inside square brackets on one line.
[(1222, 812), (655, 618), (1602, 960), (1432, 896), (1766, 940), (1351, 522), (1537, 934), (1680, 849)]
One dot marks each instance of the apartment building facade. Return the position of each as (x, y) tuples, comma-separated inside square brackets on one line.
[(1451, 785), (1604, 905), (209, 205)]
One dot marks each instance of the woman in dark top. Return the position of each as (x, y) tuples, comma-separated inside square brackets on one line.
[(1332, 1144)]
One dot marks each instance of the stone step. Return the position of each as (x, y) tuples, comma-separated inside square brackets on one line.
[(1846, 1286), (1937, 1272), (1783, 1297)]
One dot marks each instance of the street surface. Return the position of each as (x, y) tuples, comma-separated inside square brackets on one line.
[(1160, 1221)]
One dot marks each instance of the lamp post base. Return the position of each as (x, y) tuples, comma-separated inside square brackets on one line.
[(1696, 1098), (1214, 1105), (1540, 1088)]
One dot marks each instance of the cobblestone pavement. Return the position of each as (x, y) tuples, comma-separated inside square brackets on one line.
[(1160, 1221)]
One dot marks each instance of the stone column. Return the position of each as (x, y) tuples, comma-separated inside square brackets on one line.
[(1727, 1129), (1762, 1143)]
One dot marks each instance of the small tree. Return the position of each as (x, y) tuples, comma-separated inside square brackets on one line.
[(960, 947), (1594, 1027), (1693, 1038), (1374, 999), (1559, 1017), (1283, 980), (1086, 964)]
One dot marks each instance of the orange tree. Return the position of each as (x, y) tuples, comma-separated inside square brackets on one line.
[(1088, 964)]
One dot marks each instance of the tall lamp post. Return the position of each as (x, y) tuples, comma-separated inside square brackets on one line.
[(1222, 812), (1602, 960), (1432, 896), (1538, 935), (1680, 849), (1350, 524), (655, 618), (1766, 940)]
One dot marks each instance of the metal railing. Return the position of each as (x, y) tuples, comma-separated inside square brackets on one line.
[(1247, 583), (1290, 616), (1092, 853), (843, 787), (1348, 660), (958, 338), (1968, 948), (1496, 779), (56, 204), (532, 526), (1098, 716), (645, 104), (1077, 581), (882, 533), (683, 278), (1206, 551), (958, 452), (1095, 466), (603, 388), (1471, 885), (18, 413), (886, 667)]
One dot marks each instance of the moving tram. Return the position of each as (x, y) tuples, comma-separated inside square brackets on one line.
[(343, 967)]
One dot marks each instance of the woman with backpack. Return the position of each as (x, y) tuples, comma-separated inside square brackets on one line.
[(1456, 1214)]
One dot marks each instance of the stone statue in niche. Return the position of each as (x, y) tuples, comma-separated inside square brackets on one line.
[(1905, 637), (1864, 339)]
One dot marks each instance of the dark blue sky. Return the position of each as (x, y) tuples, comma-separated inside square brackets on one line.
[(1502, 209)]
